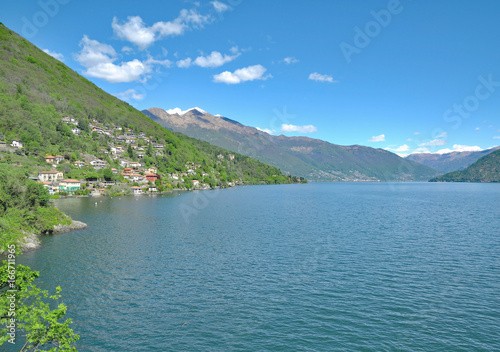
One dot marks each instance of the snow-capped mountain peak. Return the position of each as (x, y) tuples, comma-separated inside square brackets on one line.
[(180, 112)]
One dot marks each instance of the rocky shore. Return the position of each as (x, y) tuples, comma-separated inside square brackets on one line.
[(32, 241)]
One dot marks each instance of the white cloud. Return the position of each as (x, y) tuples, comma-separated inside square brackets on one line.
[(496, 137), (292, 60), (99, 61), (434, 142), (267, 130), (234, 49), (417, 133), (456, 148), (403, 148), (478, 128), (321, 78), (220, 6), (442, 135), (184, 63), (94, 53), (127, 49), (125, 72), (421, 150), (409, 140), (135, 31), (380, 138), (301, 129), (215, 59), (250, 73), (57, 56), (130, 94)]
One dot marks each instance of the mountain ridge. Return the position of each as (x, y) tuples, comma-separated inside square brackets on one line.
[(314, 159)]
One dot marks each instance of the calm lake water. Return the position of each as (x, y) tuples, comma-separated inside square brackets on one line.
[(317, 267)]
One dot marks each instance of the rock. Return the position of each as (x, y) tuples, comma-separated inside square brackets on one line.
[(75, 225), (30, 243)]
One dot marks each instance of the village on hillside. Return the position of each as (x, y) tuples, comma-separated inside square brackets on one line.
[(120, 168)]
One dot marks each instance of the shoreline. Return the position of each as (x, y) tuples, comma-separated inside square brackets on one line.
[(32, 242)]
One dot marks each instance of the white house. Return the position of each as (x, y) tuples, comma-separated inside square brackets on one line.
[(75, 130), (16, 144), (50, 176), (137, 190)]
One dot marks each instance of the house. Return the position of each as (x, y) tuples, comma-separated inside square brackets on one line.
[(231, 156), (16, 144), (220, 156), (152, 189), (70, 119), (50, 159), (137, 190), (153, 170), (140, 154), (59, 158), (75, 130), (135, 164), (137, 178), (3, 145), (69, 185), (50, 176), (79, 164), (98, 164), (124, 163), (152, 177), (196, 183), (50, 187), (126, 176), (127, 170), (158, 146), (174, 176), (115, 171)]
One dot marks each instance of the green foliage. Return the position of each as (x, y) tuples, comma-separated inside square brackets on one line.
[(486, 169), (43, 327), (24, 207)]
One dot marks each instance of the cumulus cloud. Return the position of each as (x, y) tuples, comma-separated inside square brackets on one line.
[(321, 78), (456, 148), (94, 53), (57, 56), (135, 31), (215, 59), (130, 94), (379, 138), (292, 60), (250, 73), (433, 143), (403, 148), (99, 61), (220, 6), (124, 72), (184, 63), (267, 130), (302, 129)]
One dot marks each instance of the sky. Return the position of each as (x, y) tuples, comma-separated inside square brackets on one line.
[(406, 76)]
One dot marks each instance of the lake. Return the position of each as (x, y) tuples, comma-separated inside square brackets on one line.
[(316, 267)]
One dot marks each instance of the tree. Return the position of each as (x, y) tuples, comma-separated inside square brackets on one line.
[(107, 174), (23, 307)]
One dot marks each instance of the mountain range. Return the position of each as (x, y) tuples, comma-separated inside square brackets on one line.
[(449, 162), (313, 159), (486, 169)]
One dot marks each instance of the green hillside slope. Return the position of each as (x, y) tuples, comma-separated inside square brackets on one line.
[(486, 169), (37, 91)]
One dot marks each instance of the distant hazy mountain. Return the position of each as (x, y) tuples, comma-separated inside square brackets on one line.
[(486, 169), (450, 161), (314, 159)]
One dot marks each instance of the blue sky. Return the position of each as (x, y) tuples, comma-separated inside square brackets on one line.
[(407, 76)]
